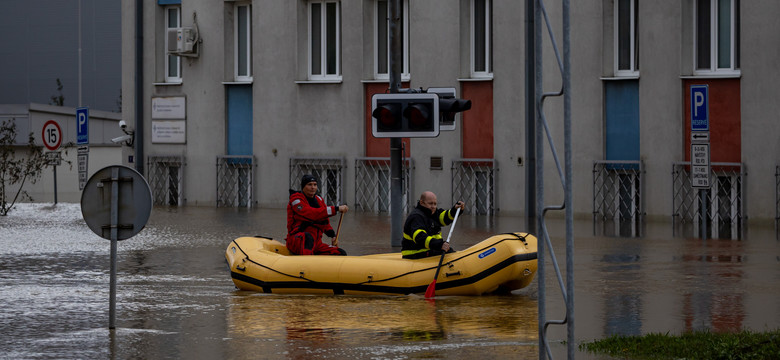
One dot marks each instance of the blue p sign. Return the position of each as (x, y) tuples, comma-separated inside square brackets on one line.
[(700, 108), (82, 126)]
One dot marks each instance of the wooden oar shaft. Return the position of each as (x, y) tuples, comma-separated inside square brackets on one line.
[(335, 241)]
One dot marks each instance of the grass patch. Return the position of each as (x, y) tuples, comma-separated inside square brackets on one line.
[(690, 345)]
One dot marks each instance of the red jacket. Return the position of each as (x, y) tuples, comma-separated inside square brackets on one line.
[(309, 215)]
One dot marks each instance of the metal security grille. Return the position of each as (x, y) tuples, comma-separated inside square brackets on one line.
[(372, 184), (474, 182), (328, 171), (165, 177), (724, 205), (617, 197), (235, 178)]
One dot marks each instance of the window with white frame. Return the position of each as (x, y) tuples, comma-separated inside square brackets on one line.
[(716, 37), (324, 40), (626, 47), (243, 39), (382, 40), (482, 38), (172, 62)]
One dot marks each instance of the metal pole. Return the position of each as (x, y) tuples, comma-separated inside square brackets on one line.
[(55, 184), (542, 309), (114, 238), (396, 165), (530, 120), (79, 59), (568, 192), (703, 214), (139, 90)]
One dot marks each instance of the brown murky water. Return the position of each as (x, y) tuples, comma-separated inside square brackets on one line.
[(175, 298)]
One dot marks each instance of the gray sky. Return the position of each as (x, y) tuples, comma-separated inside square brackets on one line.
[(39, 44)]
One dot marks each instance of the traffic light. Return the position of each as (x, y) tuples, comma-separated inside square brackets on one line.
[(405, 115), (449, 106)]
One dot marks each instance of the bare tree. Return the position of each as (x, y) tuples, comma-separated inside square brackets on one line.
[(58, 100), (17, 168)]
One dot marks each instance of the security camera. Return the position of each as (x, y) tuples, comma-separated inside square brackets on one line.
[(120, 139), (122, 124)]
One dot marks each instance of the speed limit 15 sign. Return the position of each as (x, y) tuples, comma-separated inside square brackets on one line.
[(52, 135)]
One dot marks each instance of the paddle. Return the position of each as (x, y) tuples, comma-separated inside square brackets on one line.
[(335, 241), (431, 291)]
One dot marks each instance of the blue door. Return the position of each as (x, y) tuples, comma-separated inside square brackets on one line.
[(622, 144), (239, 120), (622, 110)]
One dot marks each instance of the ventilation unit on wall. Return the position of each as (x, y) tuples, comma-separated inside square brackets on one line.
[(183, 41)]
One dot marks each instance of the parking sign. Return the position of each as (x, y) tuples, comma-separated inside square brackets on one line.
[(700, 108), (82, 126)]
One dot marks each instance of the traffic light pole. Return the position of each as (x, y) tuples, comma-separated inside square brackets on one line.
[(530, 119), (396, 164)]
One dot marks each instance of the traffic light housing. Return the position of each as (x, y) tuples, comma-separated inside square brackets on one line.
[(405, 115), (449, 106)]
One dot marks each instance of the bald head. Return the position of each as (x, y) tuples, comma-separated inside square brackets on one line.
[(428, 200)]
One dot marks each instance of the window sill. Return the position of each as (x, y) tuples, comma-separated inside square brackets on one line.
[(475, 79), (712, 76), (335, 81), (167, 84), (379, 81), (612, 78)]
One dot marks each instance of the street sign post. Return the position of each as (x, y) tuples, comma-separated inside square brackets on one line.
[(700, 136), (700, 108), (83, 161), (700, 150), (82, 126), (51, 135), (53, 158), (115, 204), (700, 165)]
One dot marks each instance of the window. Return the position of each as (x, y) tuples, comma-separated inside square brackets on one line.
[(243, 38), (324, 40), (626, 49), (172, 62), (716, 36), (382, 40), (482, 38)]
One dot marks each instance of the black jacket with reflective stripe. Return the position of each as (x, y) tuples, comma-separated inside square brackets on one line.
[(430, 238)]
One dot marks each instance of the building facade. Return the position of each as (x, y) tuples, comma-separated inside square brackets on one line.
[(237, 99)]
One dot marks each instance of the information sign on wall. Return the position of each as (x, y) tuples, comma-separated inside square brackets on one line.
[(174, 107)]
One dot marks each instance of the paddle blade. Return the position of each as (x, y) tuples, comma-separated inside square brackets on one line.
[(431, 290)]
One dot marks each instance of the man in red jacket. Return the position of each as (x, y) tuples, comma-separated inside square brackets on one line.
[(307, 220)]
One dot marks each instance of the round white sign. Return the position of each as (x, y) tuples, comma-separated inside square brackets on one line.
[(52, 135)]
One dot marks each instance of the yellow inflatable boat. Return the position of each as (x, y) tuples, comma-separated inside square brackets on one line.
[(500, 263)]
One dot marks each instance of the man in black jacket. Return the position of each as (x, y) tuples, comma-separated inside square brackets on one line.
[(422, 229)]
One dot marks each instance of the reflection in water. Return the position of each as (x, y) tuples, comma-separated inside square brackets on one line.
[(377, 324), (716, 264), (623, 307), (175, 298)]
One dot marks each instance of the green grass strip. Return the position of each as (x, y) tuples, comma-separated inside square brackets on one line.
[(690, 345)]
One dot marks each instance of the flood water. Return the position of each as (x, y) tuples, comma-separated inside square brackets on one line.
[(175, 298)]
